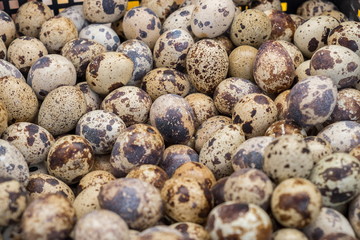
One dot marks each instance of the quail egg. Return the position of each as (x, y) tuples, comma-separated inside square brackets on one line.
[(346, 35), (241, 62), (191, 230), (3, 117), (180, 19), (163, 8), (8, 69), (294, 52), (341, 17), (87, 201), (302, 71), (319, 148), (265, 5), (289, 234), (285, 127), (149, 173), (102, 162), (104, 11), (95, 178), (76, 14), (3, 49), (283, 27), (217, 190), (312, 8), (102, 34), (347, 106), (353, 214), (92, 99), (8, 30)]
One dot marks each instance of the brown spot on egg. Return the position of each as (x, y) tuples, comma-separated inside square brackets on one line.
[(351, 67), (351, 44), (229, 213), (299, 202), (184, 194), (36, 185), (313, 44), (322, 60)]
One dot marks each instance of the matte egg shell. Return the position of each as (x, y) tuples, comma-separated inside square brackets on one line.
[(102, 34), (241, 62), (104, 11), (180, 19), (8, 30), (314, 7), (8, 69), (346, 35), (76, 14), (149, 173), (203, 107)]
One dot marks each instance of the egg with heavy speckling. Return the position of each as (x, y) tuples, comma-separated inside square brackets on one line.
[(312, 100), (102, 34), (136, 145), (281, 102), (8, 69), (174, 118), (61, 109), (180, 19), (137, 202), (163, 80), (104, 11), (339, 63), (192, 231), (314, 7), (346, 35), (101, 129), (347, 106), (319, 148), (337, 177), (8, 29), (203, 107), (92, 99), (207, 64), (149, 173), (76, 14), (241, 62), (289, 234), (70, 158), (283, 27), (285, 127), (4, 115), (33, 141)]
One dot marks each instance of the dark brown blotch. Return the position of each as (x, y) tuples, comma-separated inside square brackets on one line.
[(231, 212)]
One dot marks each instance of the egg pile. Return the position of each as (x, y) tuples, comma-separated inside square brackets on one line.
[(180, 119)]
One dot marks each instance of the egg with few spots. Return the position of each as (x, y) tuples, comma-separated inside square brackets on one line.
[(191, 230), (241, 62), (312, 8), (4, 115), (281, 102), (102, 34), (180, 19), (149, 173), (87, 201), (104, 11), (346, 35), (76, 14), (347, 106), (302, 71), (283, 27), (95, 178), (285, 127), (319, 148), (8, 69), (289, 234), (92, 99), (8, 29), (265, 5), (203, 106)]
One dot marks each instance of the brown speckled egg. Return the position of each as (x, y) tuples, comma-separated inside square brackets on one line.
[(203, 107), (329, 221), (19, 99), (293, 51), (250, 154), (285, 127), (104, 11), (92, 99), (108, 71), (346, 35), (312, 34), (101, 129), (218, 149), (296, 202), (342, 136), (302, 71), (281, 102), (355, 152), (8, 30), (41, 184), (283, 27), (101, 225), (341, 17), (289, 234), (230, 91), (24, 51), (286, 157), (149, 173), (171, 48), (208, 128), (354, 216), (347, 106), (30, 17), (339, 63), (87, 201), (95, 178), (70, 158), (49, 72), (312, 8), (249, 186), (137, 202), (49, 217), (143, 24), (180, 19), (203, 23), (173, 116), (61, 109), (76, 14), (102, 34), (239, 221), (298, 20), (4, 116), (162, 8), (274, 67), (337, 177), (3, 49), (136, 145), (254, 112), (312, 101), (192, 231), (207, 64), (161, 81), (80, 52), (32, 141), (217, 190), (8, 69), (225, 42), (186, 199), (245, 31), (318, 147), (241, 62), (13, 200)]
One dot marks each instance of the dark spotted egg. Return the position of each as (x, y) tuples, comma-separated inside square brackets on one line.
[(162, 8), (104, 11), (191, 230), (102, 34), (346, 35), (8, 30), (92, 99), (294, 52), (8, 69), (180, 19), (3, 49), (203, 106), (76, 14), (319, 148), (302, 71), (312, 8), (283, 27), (149, 173), (347, 106)]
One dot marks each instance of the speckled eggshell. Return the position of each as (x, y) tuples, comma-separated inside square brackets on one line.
[(204, 14), (101, 225), (342, 136), (30, 17), (217, 151), (50, 72), (285, 127), (173, 116), (191, 230), (273, 68), (286, 157), (61, 109), (245, 31), (302, 71), (95, 178), (341, 17), (8, 30), (87, 201), (33, 141), (347, 106), (19, 99), (281, 102), (208, 128), (203, 107), (76, 14), (4, 115), (101, 129), (41, 184), (296, 202), (108, 71), (161, 81), (180, 19), (293, 51), (331, 60), (186, 199), (13, 200), (283, 27), (92, 99), (312, 8), (24, 51), (346, 35), (50, 216), (104, 11), (3, 49), (245, 221), (8, 69), (171, 48), (337, 177), (355, 152), (102, 163), (137, 202), (241, 62), (312, 101), (130, 103), (298, 20), (225, 42), (102, 34), (289, 234), (329, 221), (207, 64), (319, 148), (354, 216), (143, 24), (254, 112), (70, 158), (141, 55), (312, 34), (149, 173), (136, 145), (265, 5)]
